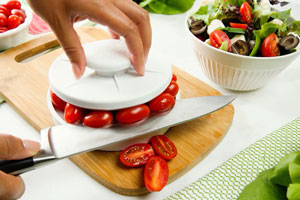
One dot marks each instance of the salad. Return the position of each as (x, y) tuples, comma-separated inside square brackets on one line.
[(246, 27)]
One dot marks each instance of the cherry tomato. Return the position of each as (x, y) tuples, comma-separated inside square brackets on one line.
[(269, 47), (13, 21), (133, 114), (238, 25), (217, 37), (246, 12), (3, 20), (12, 4), (73, 114), (19, 13), (56, 101), (174, 77), (163, 146), (162, 103), (156, 173), (3, 29), (172, 88), (97, 119), (136, 155), (5, 11)]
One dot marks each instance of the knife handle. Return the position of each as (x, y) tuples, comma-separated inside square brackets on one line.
[(16, 167)]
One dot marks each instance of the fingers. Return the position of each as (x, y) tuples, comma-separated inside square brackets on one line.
[(141, 18), (113, 35), (12, 148), (120, 24), (70, 42), (11, 187)]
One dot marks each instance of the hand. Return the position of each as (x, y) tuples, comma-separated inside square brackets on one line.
[(12, 148), (123, 17)]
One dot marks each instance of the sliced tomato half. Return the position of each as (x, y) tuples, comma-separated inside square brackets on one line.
[(156, 173), (163, 146), (136, 155)]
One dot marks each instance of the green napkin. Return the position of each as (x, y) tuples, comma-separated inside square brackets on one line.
[(228, 180), (1, 100)]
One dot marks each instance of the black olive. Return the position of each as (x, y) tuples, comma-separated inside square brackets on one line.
[(289, 42), (198, 27), (240, 47)]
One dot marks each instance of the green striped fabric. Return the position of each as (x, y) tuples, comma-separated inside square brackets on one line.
[(228, 180)]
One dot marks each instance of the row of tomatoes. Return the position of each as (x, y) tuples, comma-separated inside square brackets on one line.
[(99, 118), (153, 155), (11, 15)]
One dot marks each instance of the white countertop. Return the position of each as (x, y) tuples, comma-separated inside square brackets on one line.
[(257, 114)]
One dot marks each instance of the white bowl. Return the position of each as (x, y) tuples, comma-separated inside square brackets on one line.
[(58, 119), (237, 72), (17, 35)]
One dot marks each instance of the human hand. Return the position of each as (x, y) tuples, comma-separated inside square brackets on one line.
[(123, 17), (13, 148)]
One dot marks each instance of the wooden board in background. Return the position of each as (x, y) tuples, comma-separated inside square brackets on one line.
[(24, 86)]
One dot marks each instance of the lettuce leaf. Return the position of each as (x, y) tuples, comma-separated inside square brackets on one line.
[(168, 7)]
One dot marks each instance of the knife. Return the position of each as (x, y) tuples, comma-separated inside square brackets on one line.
[(62, 141)]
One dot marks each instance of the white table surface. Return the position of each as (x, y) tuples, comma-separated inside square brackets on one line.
[(257, 114)]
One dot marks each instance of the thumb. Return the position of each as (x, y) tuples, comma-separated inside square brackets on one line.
[(12, 148), (70, 42), (11, 187)]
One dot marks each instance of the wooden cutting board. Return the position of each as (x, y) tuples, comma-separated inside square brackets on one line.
[(24, 86)]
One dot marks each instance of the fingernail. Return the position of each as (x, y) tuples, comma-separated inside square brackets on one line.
[(31, 146), (76, 71)]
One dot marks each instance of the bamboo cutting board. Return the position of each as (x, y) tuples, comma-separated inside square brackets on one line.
[(24, 86)]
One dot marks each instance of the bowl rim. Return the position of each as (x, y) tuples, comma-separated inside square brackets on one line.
[(229, 53), (21, 27)]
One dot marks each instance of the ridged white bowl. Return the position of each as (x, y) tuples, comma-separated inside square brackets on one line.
[(236, 72), (17, 35)]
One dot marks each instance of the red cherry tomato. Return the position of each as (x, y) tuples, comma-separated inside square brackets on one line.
[(97, 119), (133, 114), (156, 173), (238, 25), (269, 47), (136, 155), (5, 11), (3, 29), (246, 12), (12, 4), (162, 103), (172, 88), (56, 101), (73, 114), (217, 37), (19, 13), (163, 146), (13, 21), (3, 20), (174, 77)]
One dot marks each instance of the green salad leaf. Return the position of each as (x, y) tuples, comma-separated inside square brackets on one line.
[(234, 30), (294, 169), (280, 175), (267, 29), (204, 13), (169, 7), (263, 189), (224, 46), (294, 27), (293, 191)]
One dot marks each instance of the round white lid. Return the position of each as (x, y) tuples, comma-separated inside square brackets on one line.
[(109, 81)]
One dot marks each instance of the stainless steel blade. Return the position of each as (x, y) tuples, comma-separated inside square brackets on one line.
[(67, 140)]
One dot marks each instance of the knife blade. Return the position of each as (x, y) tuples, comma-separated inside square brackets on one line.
[(66, 140)]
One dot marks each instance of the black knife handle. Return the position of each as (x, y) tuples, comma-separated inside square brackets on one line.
[(13, 166)]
